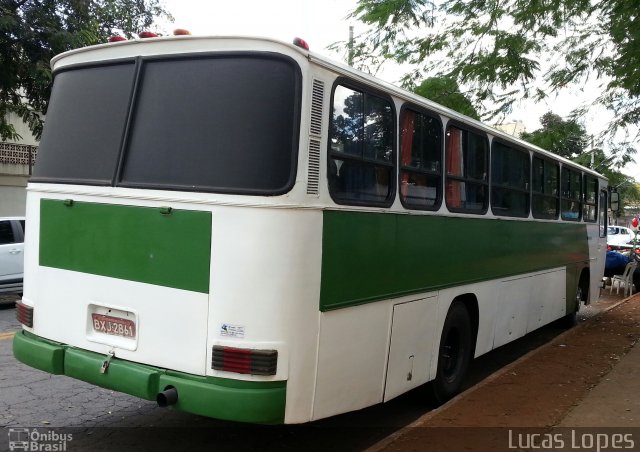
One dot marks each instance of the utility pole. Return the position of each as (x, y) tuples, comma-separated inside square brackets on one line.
[(350, 57)]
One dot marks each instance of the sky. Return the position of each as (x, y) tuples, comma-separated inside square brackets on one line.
[(323, 22)]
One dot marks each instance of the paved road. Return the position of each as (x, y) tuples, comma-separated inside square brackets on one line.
[(99, 417)]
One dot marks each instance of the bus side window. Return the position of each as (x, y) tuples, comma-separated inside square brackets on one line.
[(420, 160), (590, 206), (510, 174), (466, 159), (361, 152), (571, 194), (545, 189)]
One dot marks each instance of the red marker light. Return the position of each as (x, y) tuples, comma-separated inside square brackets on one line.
[(147, 34), (634, 222), (181, 32), (301, 43), (117, 38)]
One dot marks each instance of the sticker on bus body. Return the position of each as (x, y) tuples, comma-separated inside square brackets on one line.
[(228, 330)]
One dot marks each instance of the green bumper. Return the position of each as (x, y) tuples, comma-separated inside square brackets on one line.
[(220, 398)]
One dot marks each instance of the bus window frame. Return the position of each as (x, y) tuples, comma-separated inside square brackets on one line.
[(602, 213), (556, 163), (528, 184), (393, 163), (585, 203), (439, 173), (570, 169), (469, 129)]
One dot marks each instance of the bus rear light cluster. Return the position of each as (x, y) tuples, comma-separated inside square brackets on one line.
[(244, 361), (24, 314)]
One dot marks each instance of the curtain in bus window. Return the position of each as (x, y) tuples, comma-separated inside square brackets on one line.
[(455, 163)]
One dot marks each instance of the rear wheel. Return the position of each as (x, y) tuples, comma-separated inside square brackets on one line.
[(455, 353), (582, 291)]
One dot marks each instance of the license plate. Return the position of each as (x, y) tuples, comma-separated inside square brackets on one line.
[(114, 326)]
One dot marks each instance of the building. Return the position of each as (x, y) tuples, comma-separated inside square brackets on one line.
[(16, 163), (512, 128)]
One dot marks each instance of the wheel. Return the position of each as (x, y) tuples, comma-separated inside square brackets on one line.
[(571, 320), (454, 355)]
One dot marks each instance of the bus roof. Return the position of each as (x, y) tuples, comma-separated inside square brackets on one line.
[(124, 50)]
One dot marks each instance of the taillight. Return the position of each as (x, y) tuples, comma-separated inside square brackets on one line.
[(24, 314), (244, 361), (301, 43)]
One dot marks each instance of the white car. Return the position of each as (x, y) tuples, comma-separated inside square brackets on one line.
[(619, 235), (11, 254)]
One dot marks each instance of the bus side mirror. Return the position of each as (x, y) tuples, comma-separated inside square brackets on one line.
[(613, 202)]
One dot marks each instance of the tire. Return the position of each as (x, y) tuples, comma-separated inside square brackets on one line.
[(455, 353), (571, 320)]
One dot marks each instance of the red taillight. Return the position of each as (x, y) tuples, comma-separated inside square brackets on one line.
[(181, 32), (301, 43), (117, 38), (147, 34), (24, 314), (244, 360)]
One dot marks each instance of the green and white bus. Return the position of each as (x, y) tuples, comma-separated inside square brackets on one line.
[(245, 230)]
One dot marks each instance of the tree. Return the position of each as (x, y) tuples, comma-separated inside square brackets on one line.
[(567, 138), (570, 139), (510, 50), (445, 91), (33, 31)]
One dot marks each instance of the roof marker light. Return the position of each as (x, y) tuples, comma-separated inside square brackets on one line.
[(147, 34), (181, 32), (116, 38), (301, 43)]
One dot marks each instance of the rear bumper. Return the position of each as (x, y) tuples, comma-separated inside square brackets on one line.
[(220, 398)]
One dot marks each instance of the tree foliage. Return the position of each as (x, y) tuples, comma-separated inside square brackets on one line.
[(508, 50), (567, 138), (445, 91), (33, 31)]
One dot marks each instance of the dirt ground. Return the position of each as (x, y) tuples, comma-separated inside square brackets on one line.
[(537, 391)]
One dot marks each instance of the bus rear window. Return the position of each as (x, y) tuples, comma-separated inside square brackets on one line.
[(217, 124), (85, 125), (225, 123)]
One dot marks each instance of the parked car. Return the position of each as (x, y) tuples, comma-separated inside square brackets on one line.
[(619, 235), (11, 254)]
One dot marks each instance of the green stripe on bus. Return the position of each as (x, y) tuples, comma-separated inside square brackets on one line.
[(134, 243), (374, 256)]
